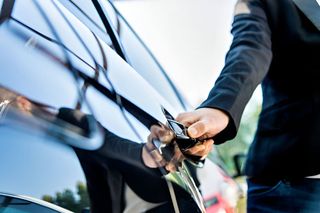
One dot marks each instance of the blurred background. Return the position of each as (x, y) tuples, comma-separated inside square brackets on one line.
[(190, 38)]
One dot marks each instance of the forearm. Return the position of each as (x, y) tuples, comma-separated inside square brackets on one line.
[(247, 63)]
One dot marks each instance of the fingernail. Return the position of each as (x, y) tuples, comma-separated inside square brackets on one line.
[(192, 131)]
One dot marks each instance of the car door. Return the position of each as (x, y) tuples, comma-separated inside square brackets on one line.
[(36, 158), (54, 61), (13, 203)]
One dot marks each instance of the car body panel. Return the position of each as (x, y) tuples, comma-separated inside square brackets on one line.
[(59, 57)]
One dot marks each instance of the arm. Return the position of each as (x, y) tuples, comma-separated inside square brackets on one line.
[(247, 62)]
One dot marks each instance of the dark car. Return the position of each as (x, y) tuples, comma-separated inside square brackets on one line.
[(77, 55)]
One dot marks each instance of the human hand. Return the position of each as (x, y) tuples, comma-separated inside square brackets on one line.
[(171, 156), (203, 124)]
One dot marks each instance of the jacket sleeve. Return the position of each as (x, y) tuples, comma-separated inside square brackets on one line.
[(246, 64), (114, 147)]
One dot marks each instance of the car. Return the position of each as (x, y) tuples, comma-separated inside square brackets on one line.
[(79, 55), (18, 203)]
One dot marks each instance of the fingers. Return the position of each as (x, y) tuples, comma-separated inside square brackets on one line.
[(151, 156), (162, 133), (170, 167), (153, 159), (198, 126), (205, 122), (198, 129), (176, 160), (187, 118), (202, 149)]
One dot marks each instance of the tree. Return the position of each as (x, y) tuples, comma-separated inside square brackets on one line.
[(83, 196), (68, 200)]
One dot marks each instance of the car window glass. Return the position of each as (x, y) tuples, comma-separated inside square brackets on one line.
[(14, 205), (87, 37), (145, 65), (110, 13), (88, 15), (122, 79), (129, 84), (88, 9), (141, 59)]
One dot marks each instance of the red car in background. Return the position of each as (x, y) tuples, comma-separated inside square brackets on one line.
[(221, 192)]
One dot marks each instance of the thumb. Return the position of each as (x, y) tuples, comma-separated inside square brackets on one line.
[(197, 129)]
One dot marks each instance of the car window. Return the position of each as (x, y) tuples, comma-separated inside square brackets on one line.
[(116, 101), (146, 66), (138, 56), (87, 39), (88, 15), (141, 59), (14, 205), (84, 9)]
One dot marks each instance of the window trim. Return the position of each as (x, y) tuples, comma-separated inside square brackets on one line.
[(36, 201)]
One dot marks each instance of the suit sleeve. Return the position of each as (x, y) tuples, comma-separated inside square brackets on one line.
[(114, 147), (246, 64)]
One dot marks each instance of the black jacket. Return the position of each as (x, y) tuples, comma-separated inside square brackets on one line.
[(276, 45)]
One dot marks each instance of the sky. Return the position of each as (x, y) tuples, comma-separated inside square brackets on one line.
[(189, 38)]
